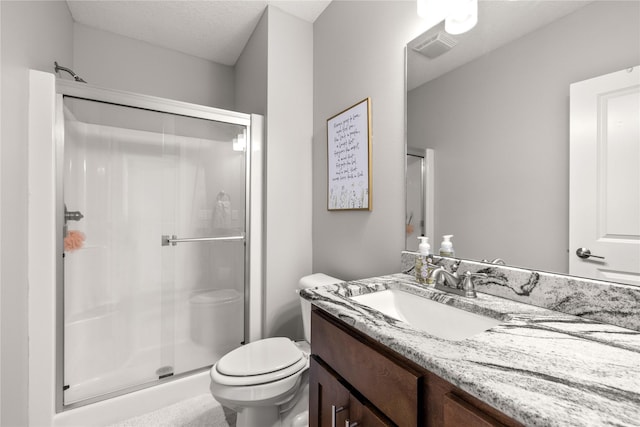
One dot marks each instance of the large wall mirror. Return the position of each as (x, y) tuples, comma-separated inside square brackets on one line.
[(495, 108)]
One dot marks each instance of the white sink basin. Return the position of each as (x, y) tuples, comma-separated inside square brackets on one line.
[(435, 318)]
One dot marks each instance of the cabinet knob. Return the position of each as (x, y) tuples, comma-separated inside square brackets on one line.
[(334, 414), (348, 423)]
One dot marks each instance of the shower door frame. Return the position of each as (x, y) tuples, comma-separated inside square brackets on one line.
[(161, 105)]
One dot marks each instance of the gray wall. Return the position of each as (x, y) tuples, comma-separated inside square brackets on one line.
[(117, 62), (358, 53), (288, 168), (500, 129), (251, 71), (274, 78), (34, 35), (251, 96)]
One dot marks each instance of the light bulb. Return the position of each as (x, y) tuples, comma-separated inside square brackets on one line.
[(463, 18)]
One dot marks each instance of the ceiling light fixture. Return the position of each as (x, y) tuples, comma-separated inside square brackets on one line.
[(463, 18), (460, 15)]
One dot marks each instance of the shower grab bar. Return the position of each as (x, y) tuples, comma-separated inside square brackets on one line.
[(173, 240)]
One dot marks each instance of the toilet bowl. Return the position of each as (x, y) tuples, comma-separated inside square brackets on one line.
[(265, 381)]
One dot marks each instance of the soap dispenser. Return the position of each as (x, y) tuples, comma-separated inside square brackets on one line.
[(446, 247), (423, 261)]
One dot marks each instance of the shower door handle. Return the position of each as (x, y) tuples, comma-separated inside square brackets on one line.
[(173, 240)]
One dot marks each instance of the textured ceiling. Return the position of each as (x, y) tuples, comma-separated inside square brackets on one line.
[(216, 30)]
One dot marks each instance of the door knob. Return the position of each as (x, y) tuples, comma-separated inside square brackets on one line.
[(585, 253)]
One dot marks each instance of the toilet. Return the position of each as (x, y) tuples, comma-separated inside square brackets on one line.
[(266, 381)]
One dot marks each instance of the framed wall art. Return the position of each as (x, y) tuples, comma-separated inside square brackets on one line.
[(349, 158)]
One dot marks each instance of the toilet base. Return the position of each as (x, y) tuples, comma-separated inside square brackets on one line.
[(270, 416), (252, 416), (298, 415)]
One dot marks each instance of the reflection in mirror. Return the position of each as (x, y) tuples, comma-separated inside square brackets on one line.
[(604, 178), (419, 192), (495, 109)]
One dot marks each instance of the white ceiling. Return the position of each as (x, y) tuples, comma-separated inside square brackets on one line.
[(216, 30), (499, 22)]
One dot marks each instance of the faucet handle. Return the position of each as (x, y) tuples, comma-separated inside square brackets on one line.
[(468, 286)]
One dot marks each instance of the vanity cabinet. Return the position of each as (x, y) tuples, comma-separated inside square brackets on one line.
[(391, 387), (376, 386)]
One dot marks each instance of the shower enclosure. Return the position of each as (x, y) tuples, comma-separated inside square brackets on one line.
[(153, 214)]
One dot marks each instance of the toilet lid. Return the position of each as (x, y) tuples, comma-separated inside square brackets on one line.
[(260, 357), (251, 380)]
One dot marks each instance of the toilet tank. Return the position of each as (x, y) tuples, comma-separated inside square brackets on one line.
[(312, 281)]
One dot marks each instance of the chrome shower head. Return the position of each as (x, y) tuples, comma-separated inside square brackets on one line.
[(68, 70)]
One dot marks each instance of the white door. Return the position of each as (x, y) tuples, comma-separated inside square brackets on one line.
[(604, 174)]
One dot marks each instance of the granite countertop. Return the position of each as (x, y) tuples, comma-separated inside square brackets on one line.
[(540, 367)]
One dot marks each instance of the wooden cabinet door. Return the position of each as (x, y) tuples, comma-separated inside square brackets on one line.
[(332, 405), (458, 413), (328, 398), (361, 415)]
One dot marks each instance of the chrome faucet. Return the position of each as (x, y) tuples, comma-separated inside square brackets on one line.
[(441, 276), (451, 282)]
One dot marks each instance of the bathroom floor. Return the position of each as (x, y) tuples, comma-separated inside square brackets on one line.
[(199, 411)]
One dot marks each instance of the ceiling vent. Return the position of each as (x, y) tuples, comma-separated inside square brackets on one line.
[(435, 45)]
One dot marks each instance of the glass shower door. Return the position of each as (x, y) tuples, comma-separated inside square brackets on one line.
[(154, 255), (203, 242)]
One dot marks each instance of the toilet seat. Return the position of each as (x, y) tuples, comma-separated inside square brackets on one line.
[(257, 379), (259, 362)]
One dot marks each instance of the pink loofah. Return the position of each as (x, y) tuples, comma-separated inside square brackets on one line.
[(74, 240)]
